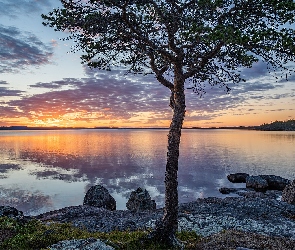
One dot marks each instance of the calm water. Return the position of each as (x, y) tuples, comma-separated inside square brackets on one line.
[(46, 170)]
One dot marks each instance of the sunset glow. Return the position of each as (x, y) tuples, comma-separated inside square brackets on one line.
[(42, 84)]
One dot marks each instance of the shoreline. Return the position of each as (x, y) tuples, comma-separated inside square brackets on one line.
[(255, 212), (254, 220)]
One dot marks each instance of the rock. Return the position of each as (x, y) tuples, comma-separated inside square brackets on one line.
[(270, 194), (237, 178), (140, 200), (275, 182), (10, 212), (288, 194), (256, 182), (85, 244), (98, 196), (225, 190)]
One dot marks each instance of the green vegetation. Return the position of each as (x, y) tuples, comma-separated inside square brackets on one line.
[(37, 235), (288, 125)]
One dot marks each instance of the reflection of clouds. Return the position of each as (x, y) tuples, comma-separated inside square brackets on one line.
[(70, 168), (58, 174), (123, 160), (123, 172), (24, 200), (5, 168)]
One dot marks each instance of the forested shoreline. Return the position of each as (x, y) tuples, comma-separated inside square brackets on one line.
[(288, 125)]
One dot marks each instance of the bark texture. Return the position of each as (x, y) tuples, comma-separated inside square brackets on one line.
[(166, 229)]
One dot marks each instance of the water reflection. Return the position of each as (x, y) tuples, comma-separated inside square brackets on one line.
[(31, 202), (58, 167), (6, 168)]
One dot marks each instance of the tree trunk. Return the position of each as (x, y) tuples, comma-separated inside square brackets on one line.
[(166, 229)]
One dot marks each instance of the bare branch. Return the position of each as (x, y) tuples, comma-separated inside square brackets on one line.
[(159, 73), (204, 60), (142, 38)]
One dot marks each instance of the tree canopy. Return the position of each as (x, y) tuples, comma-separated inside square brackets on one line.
[(209, 39)]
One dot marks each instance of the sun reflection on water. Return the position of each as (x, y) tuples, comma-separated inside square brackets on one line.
[(45, 170)]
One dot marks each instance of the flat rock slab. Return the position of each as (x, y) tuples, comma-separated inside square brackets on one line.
[(205, 216), (85, 244)]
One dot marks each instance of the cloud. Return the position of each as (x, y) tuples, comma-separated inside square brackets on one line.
[(18, 50), (5, 91), (8, 112), (116, 97), (9, 92), (16, 8), (103, 96)]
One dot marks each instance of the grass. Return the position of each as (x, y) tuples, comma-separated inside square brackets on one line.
[(37, 235)]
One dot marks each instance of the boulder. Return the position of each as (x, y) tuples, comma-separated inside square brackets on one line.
[(98, 196), (225, 190), (256, 182), (288, 194), (237, 177), (140, 200), (275, 182), (10, 212)]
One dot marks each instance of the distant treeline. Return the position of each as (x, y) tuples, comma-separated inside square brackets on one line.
[(278, 126)]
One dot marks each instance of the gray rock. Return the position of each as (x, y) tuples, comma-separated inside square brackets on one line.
[(207, 216), (98, 196), (237, 177), (140, 200), (288, 194), (275, 182), (256, 182), (10, 212), (87, 244), (225, 190)]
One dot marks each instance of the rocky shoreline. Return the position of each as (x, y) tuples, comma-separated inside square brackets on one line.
[(262, 213), (255, 221), (255, 212)]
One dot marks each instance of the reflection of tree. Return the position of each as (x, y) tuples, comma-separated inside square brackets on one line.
[(5, 168), (24, 200)]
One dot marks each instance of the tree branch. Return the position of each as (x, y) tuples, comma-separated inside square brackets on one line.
[(204, 61), (159, 73), (146, 40)]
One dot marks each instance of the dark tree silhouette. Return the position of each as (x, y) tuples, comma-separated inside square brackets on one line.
[(194, 42)]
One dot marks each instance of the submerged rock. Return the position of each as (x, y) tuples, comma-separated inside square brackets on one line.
[(237, 177), (98, 196), (288, 194), (140, 200)]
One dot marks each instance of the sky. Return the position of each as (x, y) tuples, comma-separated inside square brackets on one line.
[(42, 83)]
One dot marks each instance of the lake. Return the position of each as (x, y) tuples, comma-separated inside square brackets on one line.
[(45, 170)]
